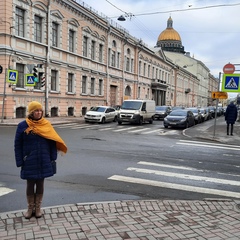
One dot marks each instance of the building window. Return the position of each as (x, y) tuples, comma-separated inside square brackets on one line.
[(70, 82), (139, 67), (93, 46), (144, 69), (37, 28), (100, 53), (100, 87), (92, 86), (113, 59), (139, 92), (71, 40), (127, 64), (118, 60), (19, 27), (20, 69), (148, 71), (55, 34), (53, 80), (84, 84), (85, 46)]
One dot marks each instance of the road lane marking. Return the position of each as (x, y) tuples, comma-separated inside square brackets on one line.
[(138, 130), (169, 166), (185, 176), (105, 129), (67, 125), (124, 129), (175, 186), (208, 143), (4, 191), (152, 131)]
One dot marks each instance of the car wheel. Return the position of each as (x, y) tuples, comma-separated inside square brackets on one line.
[(140, 121), (165, 126), (103, 120), (151, 121)]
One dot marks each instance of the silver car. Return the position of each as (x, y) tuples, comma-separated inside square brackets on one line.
[(101, 114)]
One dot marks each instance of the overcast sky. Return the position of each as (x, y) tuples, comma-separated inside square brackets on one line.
[(209, 29)]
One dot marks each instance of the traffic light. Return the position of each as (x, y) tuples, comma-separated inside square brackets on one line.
[(35, 73)]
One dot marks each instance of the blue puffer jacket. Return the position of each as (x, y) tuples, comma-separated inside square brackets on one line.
[(33, 154), (231, 114)]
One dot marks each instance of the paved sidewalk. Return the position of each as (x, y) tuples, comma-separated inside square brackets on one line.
[(147, 219), (209, 219)]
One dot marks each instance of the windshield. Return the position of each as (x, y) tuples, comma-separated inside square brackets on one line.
[(98, 109), (178, 113), (131, 105), (194, 110), (161, 108)]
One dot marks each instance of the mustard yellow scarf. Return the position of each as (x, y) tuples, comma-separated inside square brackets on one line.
[(45, 129)]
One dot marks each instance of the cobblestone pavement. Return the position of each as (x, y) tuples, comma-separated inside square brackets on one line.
[(147, 219), (209, 219)]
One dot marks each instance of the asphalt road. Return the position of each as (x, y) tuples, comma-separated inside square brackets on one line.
[(111, 162)]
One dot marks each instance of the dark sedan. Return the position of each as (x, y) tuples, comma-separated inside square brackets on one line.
[(161, 112), (179, 118)]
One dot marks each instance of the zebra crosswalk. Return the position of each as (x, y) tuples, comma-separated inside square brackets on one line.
[(184, 178), (156, 130)]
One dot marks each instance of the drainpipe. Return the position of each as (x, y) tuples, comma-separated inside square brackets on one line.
[(47, 69), (108, 87)]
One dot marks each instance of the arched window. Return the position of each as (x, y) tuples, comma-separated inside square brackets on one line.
[(127, 91)]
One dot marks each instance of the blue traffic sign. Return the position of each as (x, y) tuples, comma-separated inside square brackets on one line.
[(231, 82), (29, 80), (12, 76)]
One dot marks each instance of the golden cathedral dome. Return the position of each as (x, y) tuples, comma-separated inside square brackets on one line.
[(169, 39), (169, 33)]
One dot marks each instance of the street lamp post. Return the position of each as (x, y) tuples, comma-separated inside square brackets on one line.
[(4, 95)]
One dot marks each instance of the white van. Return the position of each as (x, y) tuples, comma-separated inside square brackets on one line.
[(137, 111)]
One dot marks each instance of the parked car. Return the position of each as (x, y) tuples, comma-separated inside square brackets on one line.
[(162, 112), (177, 107), (204, 114), (197, 114), (179, 118), (101, 114), (212, 111)]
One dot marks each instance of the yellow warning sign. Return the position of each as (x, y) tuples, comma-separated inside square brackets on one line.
[(220, 95)]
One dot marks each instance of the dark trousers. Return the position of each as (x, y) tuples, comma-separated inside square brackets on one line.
[(228, 128)]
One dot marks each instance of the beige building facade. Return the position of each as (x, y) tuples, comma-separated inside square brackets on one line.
[(83, 59)]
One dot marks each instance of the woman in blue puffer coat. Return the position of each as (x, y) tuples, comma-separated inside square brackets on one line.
[(231, 116), (36, 145)]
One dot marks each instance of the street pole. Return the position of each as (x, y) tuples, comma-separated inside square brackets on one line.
[(215, 120), (4, 95)]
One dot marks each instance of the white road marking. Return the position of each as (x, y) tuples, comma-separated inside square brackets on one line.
[(105, 129), (4, 191), (153, 131), (185, 176), (209, 143), (210, 146), (169, 166), (138, 130), (175, 186), (123, 129), (66, 125)]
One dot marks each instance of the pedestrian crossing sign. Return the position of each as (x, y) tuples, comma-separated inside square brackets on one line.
[(29, 80), (12, 76), (231, 83)]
